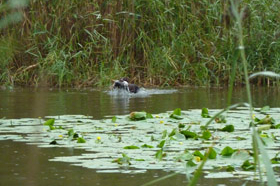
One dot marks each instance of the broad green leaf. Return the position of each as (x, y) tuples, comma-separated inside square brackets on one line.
[(240, 138), (204, 113), (221, 119), (188, 134), (172, 133), (247, 166), (49, 122), (164, 134), (265, 109), (159, 154), (277, 126), (267, 120), (184, 157), (228, 128), (131, 147), (139, 159), (227, 151), (149, 116), (212, 153), (190, 163), (181, 125), (70, 132), (197, 153), (176, 114), (135, 116), (230, 168), (147, 146), (206, 135), (81, 140), (114, 119), (124, 160), (275, 159), (161, 144)]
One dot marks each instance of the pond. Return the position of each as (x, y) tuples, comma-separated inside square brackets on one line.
[(23, 164)]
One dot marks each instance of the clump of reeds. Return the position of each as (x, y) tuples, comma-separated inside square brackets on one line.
[(167, 43)]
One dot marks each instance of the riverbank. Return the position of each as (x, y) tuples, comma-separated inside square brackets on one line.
[(154, 43)]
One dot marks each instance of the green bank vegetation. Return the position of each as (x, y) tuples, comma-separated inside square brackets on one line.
[(154, 42)]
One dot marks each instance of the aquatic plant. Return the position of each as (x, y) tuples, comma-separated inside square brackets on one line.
[(183, 146)]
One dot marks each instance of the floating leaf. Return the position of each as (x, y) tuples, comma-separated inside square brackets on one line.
[(172, 133), (50, 123), (240, 138), (139, 159), (114, 119), (124, 160), (276, 159), (230, 168), (159, 155), (131, 147), (188, 134), (206, 135), (81, 140), (185, 157), (247, 166), (227, 151), (197, 153), (228, 128), (135, 116), (147, 146), (277, 126), (181, 125), (190, 163), (221, 119), (161, 144), (149, 116), (72, 134), (164, 134), (266, 120), (176, 114), (212, 153), (265, 109), (205, 113)]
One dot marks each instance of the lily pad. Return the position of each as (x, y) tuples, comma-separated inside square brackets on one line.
[(135, 116)]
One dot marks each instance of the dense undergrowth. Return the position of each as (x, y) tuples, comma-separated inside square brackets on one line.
[(154, 42)]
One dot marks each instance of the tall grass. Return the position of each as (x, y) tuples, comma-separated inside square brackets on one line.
[(90, 42)]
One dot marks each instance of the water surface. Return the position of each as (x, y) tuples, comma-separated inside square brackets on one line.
[(23, 164)]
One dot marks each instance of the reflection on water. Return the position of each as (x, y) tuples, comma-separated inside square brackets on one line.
[(21, 103), (28, 165)]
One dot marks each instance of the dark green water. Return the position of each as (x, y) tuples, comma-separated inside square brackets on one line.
[(22, 164)]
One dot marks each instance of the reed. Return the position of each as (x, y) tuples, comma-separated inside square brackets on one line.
[(166, 43)]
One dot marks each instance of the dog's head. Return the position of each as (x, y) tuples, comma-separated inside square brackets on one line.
[(120, 84)]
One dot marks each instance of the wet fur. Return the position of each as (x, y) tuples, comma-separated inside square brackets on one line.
[(124, 84)]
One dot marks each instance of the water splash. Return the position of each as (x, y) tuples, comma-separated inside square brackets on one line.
[(142, 92)]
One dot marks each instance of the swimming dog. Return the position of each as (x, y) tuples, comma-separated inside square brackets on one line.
[(124, 84)]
